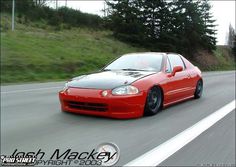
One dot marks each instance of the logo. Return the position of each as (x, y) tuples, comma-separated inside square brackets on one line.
[(105, 154), (17, 161), (113, 151)]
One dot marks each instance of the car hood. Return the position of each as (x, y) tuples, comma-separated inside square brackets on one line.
[(108, 79)]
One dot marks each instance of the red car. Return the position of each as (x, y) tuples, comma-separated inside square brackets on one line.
[(133, 85)]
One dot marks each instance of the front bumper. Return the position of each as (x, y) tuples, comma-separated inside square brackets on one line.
[(91, 102)]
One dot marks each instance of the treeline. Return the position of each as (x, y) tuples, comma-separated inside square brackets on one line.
[(231, 39), (35, 10), (175, 26), (182, 26)]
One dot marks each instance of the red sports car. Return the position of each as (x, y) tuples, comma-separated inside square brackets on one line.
[(133, 85)]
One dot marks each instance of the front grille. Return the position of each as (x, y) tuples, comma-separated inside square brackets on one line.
[(87, 106)]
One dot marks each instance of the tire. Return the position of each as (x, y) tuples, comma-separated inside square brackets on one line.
[(153, 101), (198, 90)]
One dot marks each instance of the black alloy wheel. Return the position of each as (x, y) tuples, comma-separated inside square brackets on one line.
[(199, 89), (154, 101)]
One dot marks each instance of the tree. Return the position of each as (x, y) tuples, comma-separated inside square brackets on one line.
[(137, 21), (40, 3), (234, 48), (20, 5), (209, 36), (186, 26), (231, 36), (124, 19), (155, 16), (182, 26)]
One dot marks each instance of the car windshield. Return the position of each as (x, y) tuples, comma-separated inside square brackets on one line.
[(137, 62)]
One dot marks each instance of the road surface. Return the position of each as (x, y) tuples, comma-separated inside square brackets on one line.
[(31, 120)]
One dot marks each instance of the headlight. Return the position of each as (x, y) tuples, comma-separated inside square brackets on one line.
[(125, 90), (65, 87)]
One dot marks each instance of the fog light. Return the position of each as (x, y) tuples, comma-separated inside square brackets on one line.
[(104, 93)]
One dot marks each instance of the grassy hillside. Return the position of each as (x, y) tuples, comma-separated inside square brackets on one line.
[(221, 59), (36, 52)]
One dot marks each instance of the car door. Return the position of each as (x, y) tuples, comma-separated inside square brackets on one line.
[(177, 86)]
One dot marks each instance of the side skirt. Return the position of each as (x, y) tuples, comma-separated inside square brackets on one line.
[(177, 101)]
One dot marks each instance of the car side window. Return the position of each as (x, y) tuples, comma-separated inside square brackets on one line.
[(175, 60), (168, 66)]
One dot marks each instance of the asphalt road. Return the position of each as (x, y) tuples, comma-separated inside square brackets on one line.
[(31, 120)]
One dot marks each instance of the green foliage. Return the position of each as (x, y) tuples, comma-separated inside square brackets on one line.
[(208, 38), (36, 10), (181, 26), (21, 6), (234, 48), (77, 18), (35, 54), (125, 24)]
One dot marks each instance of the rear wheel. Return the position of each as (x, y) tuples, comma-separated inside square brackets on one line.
[(153, 101), (199, 89)]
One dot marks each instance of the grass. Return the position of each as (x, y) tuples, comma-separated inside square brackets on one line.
[(222, 54), (221, 59), (36, 52)]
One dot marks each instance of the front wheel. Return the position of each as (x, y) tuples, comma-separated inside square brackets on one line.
[(153, 101), (199, 89)]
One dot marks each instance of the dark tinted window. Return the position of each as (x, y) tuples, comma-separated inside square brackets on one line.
[(175, 60), (139, 61)]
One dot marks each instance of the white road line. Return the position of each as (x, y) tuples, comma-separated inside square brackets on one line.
[(160, 153), (30, 90)]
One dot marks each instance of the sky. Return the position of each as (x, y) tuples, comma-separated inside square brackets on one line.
[(222, 10)]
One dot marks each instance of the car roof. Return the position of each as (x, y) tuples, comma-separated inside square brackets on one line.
[(148, 53)]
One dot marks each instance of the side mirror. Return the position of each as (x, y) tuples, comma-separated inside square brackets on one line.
[(176, 69)]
